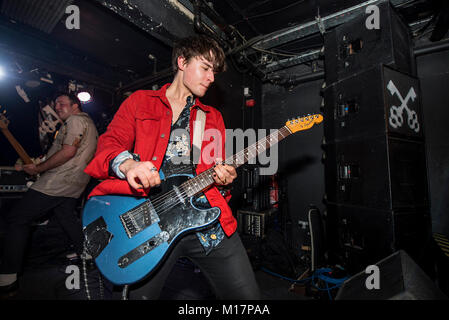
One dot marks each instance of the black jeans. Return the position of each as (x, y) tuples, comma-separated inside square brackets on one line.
[(30, 208), (227, 268)]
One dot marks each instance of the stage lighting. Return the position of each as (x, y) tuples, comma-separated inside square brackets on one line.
[(84, 97), (2, 72)]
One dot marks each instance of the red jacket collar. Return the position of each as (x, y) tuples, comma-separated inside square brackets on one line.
[(161, 93)]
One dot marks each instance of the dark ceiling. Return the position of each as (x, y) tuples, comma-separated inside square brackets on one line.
[(124, 43)]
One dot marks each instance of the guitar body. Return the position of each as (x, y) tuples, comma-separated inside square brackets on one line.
[(129, 237)]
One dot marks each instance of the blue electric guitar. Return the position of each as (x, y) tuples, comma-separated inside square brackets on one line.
[(129, 237)]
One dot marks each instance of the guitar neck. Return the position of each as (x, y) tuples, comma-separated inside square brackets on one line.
[(16, 145), (205, 179)]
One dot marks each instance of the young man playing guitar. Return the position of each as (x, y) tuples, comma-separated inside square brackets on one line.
[(61, 182), (149, 134)]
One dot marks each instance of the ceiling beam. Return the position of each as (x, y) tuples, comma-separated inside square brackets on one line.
[(320, 24), (158, 18)]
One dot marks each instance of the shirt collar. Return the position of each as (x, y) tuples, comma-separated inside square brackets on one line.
[(161, 93)]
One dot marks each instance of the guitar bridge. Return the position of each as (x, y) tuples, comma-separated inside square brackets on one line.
[(138, 218)]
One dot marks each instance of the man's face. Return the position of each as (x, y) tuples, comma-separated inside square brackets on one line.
[(64, 108), (198, 75)]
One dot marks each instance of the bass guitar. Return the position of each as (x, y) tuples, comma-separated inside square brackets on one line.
[(129, 237)]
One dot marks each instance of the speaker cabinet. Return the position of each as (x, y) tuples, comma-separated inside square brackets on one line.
[(376, 101), (382, 173), (352, 47), (366, 235)]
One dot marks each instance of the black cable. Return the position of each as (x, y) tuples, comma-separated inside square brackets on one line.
[(269, 12)]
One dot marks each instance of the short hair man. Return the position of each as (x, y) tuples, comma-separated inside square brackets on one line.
[(61, 182), (157, 127)]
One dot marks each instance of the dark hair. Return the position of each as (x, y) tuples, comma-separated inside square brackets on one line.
[(72, 97), (199, 46)]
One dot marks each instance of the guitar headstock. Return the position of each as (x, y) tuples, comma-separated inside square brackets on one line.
[(4, 122), (303, 123)]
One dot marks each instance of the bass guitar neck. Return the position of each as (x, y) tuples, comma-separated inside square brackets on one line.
[(16, 145)]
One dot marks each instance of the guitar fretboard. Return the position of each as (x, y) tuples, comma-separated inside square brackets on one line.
[(205, 179)]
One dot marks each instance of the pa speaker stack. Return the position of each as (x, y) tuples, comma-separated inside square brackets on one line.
[(375, 165)]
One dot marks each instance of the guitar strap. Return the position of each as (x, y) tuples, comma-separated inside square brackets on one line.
[(198, 133)]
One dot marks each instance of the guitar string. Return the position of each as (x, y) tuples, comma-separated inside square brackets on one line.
[(277, 135), (161, 205), (255, 145), (170, 205), (172, 194), (162, 199)]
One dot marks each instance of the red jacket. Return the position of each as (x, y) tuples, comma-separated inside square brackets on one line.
[(142, 124)]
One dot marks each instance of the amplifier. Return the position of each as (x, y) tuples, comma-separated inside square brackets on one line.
[(12, 180), (351, 47), (253, 223)]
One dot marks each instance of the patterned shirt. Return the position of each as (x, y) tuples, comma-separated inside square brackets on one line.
[(177, 160), (69, 179)]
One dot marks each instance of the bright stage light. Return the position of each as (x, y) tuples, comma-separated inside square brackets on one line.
[(84, 97), (2, 72)]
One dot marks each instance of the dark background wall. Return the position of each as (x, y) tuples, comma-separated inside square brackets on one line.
[(300, 167), (227, 95), (433, 72)]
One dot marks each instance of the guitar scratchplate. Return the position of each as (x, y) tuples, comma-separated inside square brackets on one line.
[(143, 249), (97, 237)]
